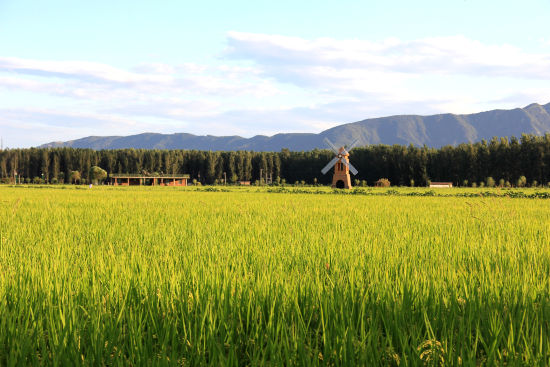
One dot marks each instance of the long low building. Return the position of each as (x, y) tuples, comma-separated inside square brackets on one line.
[(441, 184), (126, 179)]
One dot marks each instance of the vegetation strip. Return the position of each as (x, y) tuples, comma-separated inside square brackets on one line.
[(505, 162)]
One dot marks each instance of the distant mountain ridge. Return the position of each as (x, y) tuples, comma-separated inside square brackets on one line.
[(433, 131)]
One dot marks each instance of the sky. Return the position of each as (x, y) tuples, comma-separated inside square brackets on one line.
[(70, 69)]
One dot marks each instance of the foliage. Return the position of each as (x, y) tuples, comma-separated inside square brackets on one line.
[(383, 182), (124, 276), (97, 174), (506, 159), (75, 177)]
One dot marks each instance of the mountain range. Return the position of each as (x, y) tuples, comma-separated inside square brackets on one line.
[(433, 131)]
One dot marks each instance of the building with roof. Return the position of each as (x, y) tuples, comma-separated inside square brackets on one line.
[(128, 179)]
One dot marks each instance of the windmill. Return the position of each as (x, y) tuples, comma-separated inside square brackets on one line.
[(341, 178)]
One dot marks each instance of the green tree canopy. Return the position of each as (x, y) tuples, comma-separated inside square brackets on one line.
[(74, 176), (97, 174)]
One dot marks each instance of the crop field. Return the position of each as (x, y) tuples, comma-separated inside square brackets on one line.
[(180, 276)]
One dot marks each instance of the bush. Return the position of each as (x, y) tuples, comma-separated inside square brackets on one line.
[(74, 177), (534, 183), (490, 182), (465, 183), (521, 182), (97, 174), (474, 184), (501, 182), (383, 182)]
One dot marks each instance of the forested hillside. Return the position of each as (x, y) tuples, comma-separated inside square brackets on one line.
[(501, 159), (433, 131)]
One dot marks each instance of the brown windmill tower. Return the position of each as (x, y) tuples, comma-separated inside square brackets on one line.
[(342, 166)]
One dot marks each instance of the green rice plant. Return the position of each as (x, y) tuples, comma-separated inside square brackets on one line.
[(190, 276)]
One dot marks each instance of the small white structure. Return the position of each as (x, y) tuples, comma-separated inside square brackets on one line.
[(441, 185)]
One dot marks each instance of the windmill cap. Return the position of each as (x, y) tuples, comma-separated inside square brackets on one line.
[(341, 150)]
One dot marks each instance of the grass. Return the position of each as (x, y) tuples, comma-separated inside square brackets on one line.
[(171, 276)]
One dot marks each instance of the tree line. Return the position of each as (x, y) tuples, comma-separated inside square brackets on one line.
[(501, 161)]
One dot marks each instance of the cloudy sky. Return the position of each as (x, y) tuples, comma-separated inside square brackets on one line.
[(70, 69)]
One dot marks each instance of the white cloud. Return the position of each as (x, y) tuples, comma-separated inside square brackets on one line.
[(281, 56), (267, 84), (99, 81), (82, 70)]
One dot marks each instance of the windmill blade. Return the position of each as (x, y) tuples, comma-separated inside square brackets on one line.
[(329, 165), (351, 168), (353, 145), (332, 146)]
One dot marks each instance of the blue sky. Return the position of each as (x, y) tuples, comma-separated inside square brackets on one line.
[(70, 69)]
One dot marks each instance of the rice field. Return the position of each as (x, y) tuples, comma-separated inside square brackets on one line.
[(172, 276)]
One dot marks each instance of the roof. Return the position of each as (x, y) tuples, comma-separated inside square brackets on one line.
[(136, 175)]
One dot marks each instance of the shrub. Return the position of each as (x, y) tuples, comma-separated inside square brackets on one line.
[(97, 174), (490, 182), (74, 177), (521, 182), (501, 182), (383, 182)]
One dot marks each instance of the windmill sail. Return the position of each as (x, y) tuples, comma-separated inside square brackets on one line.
[(330, 165)]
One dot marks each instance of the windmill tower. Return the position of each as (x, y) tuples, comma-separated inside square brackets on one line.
[(342, 166)]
